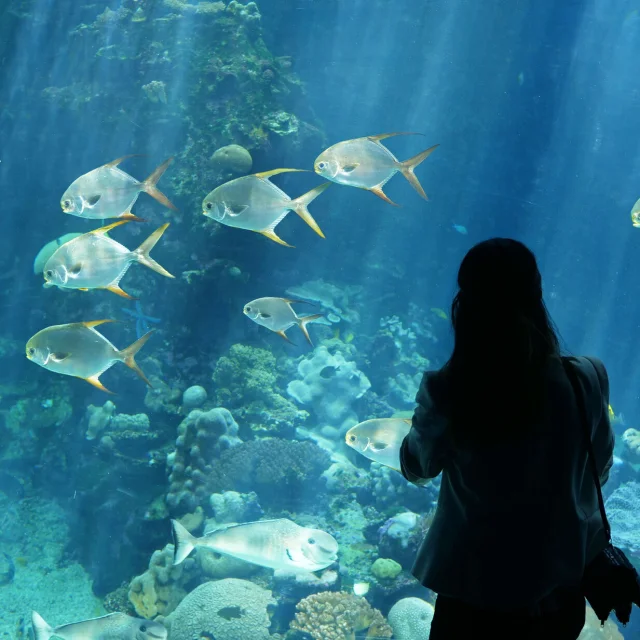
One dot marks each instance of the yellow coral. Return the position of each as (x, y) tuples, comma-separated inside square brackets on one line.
[(631, 439), (592, 629), (338, 615)]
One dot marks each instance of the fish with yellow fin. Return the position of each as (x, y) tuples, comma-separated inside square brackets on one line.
[(77, 349), (277, 315), (109, 192), (367, 164), (256, 204), (635, 214), (96, 261), (379, 439), (440, 313)]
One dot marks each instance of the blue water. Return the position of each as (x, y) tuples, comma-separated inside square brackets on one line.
[(535, 110)]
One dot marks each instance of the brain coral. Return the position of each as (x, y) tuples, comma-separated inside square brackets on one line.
[(229, 609), (281, 472), (410, 619), (338, 616)]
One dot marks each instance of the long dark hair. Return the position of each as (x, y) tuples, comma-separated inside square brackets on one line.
[(493, 386)]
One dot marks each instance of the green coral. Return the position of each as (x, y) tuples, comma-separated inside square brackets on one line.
[(246, 383), (386, 569)]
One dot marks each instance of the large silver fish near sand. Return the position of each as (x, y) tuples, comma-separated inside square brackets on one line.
[(114, 626), (109, 192), (367, 164), (276, 314), (78, 350), (379, 439), (276, 544), (256, 204), (96, 261)]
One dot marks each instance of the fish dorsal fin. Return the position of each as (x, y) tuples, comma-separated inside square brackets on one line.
[(295, 301), (383, 136), (381, 194), (274, 172), (117, 161), (95, 323), (236, 525), (95, 381), (104, 230)]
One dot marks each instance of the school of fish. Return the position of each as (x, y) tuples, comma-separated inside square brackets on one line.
[(93, 260)]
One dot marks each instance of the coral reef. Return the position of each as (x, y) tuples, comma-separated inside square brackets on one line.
[(593, 630), (226, 609), (329, 384), (385, 569), (390, 489), (231, 160), (201, 437), (283, 473), (401, 535), (410, 619), (623, 512), (246, 381), (231, 506), (194, 397), (337, 616), (160, 589), (97, 419), (631, 446)]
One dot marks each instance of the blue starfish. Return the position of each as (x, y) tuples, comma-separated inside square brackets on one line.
[(142, 321)]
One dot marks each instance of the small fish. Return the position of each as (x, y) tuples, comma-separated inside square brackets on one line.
[(460, 229), (440, 313), (367, 164), (109, 192), (379, 439), (230, 613), (78, 350), (276, 544), (114, 626), (635, 214), (276, 314), (96, 261), (256, 204)]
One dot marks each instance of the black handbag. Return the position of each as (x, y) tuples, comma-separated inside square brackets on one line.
[(610, 581)]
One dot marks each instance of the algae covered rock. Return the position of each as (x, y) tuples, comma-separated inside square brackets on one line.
[(227, 609), (386, 569)]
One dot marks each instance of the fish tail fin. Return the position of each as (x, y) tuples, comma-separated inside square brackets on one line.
[(303, 322), (128, 355), (183, 542), (407, 167), (41, 629), (149, 185), (143, 251), (300, 204)]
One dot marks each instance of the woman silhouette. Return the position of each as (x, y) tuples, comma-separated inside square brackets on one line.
[(517, 517)]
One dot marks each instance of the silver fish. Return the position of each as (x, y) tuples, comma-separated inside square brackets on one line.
[(78, 350), (276, 544), (635, 214), (367, 164), (276, 314), (109, 192), (114, 626), (96, 261), (379, 439), (255, 204)]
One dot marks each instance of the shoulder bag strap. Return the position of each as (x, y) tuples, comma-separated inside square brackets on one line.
[(573, 378)]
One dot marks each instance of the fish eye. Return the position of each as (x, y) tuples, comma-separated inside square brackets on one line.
[(66, 204), (247, 309), (48, 273), (311, 541), (322, 165), (209, 205), (143, 628), (352, 438), (31, 351)]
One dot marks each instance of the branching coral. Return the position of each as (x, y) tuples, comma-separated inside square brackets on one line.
[(338, 615), (246, 382)]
